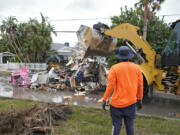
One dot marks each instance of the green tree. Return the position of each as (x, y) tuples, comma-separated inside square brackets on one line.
[(8, 30), (4, 45), (30, 41), (146, 9), (158, 31)]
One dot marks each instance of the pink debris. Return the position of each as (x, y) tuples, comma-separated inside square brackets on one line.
[(21, 78)]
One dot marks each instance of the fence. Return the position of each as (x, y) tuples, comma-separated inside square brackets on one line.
[(30, 66)]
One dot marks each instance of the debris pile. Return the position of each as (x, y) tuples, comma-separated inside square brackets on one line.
[(94, 42), (38, 120), (82, 71), (86, 74)]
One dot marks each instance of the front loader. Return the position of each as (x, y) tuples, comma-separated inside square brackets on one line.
[(101, 41)]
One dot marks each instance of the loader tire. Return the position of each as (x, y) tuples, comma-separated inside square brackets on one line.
[(147, 91)]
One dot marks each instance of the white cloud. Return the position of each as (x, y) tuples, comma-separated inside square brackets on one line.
[(72, 9), (80, 5), (170, 7)]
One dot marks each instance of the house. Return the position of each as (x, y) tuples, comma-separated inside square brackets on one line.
[(63, 49), (6, 57)]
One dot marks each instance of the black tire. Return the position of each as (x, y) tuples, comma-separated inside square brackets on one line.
[(147, 91)]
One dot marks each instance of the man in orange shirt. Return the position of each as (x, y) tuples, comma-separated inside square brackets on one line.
[(126, 82)]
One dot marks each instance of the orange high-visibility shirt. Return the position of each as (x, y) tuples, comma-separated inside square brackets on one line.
[(126, 81)]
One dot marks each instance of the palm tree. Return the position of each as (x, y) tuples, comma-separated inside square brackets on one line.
[(147, 9), (29, 41), (39, 38), (8, 28)]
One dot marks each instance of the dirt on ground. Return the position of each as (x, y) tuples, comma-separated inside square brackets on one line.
[(38, 120)]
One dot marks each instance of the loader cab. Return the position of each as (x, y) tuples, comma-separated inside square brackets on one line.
[(171, 52)]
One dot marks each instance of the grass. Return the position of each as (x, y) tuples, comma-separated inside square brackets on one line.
[(91, 121), (20, 104), (5, 73)]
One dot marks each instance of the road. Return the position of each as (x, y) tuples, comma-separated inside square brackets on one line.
[(165, 105)]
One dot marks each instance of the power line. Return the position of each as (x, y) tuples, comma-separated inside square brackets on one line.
[(171, 15), (78, 19), (58, 31), (105, 18), (66, 31)]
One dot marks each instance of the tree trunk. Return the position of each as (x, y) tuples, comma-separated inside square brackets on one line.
[(28, 58), (19, 50), (16, 52), (145, 21), (145, 29), (38, 55), (12, 39), (34, 59)]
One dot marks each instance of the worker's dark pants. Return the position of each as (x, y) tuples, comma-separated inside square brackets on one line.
[(117, 114)]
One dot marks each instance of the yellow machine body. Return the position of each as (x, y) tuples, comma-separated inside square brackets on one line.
[(128, 32), (152, 73)]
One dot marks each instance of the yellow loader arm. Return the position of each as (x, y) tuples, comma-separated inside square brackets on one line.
[(128, 32)]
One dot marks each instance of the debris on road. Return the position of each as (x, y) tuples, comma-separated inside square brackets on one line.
[(80, 94), (79, 75)]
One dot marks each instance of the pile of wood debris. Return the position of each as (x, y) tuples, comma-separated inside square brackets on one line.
[(38, 120)]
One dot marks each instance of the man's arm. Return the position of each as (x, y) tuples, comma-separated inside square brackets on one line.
[(140, 86), (111, 84)]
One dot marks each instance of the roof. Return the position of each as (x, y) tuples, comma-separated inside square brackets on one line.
[(7, 54), (56, 46), (66, 51), (63, 49)]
